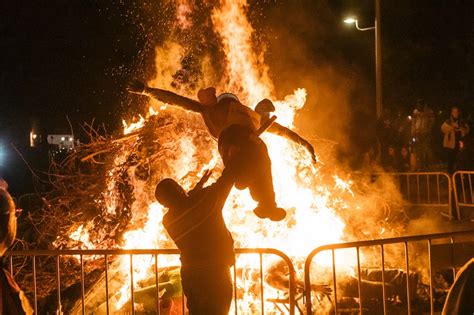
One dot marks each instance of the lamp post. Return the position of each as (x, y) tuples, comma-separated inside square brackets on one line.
[(378, 55)]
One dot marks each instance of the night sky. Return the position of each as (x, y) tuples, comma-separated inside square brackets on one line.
[(74, 57)]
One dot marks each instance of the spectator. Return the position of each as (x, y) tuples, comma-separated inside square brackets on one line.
[(454, 130), (390, 160), (402, 126), (386, 137), (465, 158), (404, 162), (13, 300), (460, 296), (421, 131)]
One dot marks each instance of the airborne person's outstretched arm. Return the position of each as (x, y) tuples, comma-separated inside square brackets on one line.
[(165, 96), (283, 131)]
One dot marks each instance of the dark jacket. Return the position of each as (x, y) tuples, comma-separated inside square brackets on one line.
[(198, 228)]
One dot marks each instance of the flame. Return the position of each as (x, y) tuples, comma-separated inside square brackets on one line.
[(81, 235), (247, 74), (129, 128), (183, 10)]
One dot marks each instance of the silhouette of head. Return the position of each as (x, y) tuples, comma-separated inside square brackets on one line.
[(207, 97), (7, 220), (170, 194), (265, 107), (404, 151), (227, 96)]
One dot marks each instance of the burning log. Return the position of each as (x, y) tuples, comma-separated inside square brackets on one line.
[(170, 292), (371, 285), (90, 198)]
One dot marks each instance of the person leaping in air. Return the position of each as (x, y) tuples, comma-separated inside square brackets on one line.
[(236, 128)]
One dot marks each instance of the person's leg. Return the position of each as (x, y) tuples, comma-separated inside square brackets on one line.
[(255, 173), (188, 284), (208, 290), (450, 159), (221, 291), (261, 187)]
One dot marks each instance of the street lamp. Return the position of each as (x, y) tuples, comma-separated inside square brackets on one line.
[(350, 20), (354, 21), (378, 54)]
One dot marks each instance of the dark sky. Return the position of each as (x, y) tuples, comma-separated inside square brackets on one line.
[(74, 57)]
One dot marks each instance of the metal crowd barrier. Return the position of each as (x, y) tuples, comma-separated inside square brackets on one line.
[(155, 253), (423, 189), (463, 190), (382, 242)]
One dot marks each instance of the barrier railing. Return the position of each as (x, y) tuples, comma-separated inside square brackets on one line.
[(106, 254), (463, 190), (421, 188), (383, 242)]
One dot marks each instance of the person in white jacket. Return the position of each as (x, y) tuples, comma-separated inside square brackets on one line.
[(454, 130), (235, 126)]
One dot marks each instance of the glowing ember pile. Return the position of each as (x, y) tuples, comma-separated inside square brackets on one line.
[(314, 200)]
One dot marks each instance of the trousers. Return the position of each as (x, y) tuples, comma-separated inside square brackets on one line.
[(208, 289), (238, 142)]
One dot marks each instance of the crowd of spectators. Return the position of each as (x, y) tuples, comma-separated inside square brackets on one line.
[(425, 140)]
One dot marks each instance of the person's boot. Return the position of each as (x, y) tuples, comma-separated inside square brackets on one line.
[(270, 212)]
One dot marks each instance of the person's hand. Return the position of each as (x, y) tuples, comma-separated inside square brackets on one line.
[(205, 177), (136, 87), (201, 182)]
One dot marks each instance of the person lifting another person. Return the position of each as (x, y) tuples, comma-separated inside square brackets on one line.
[(194, 221), (237, 129)]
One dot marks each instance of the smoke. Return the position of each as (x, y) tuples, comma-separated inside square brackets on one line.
[(304, 48)]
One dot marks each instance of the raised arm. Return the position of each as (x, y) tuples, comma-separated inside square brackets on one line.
[(201, 182), (165, 96), (283, 131)]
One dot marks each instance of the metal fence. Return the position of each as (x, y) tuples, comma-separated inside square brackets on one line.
[(379, 243), (424, 189), (463, 190), (156, 253)]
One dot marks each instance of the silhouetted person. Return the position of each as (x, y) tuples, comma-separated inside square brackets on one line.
[(387, 136), (195, 223), (421, 132), (226, 118), (454, 129), (12, 300), (390, 161), (404, 160), (460, 299), (465, 158)]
